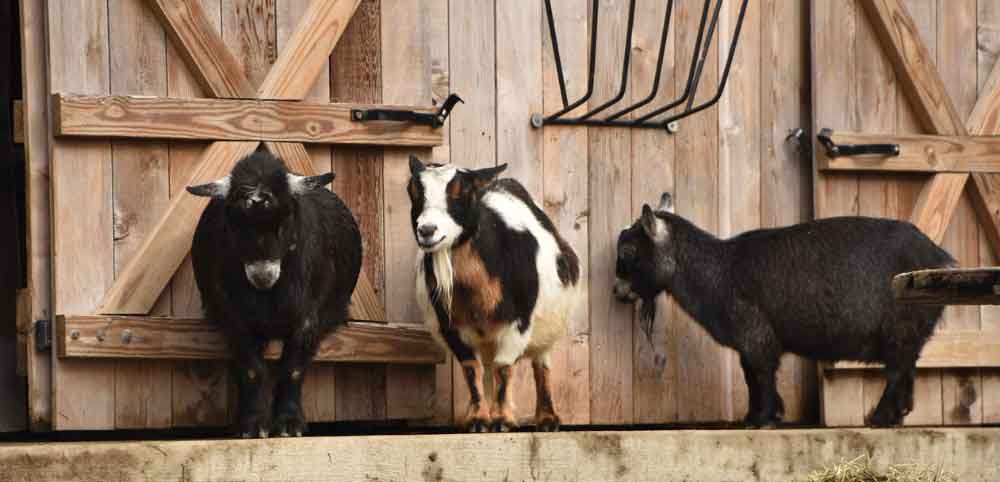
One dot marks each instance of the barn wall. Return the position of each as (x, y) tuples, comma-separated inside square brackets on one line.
[(729, 168)]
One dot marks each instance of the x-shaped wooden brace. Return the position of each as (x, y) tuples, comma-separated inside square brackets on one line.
[(292, 75), (932, 105)]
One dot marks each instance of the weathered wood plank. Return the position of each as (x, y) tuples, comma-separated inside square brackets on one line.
[(565, 198), (702, 455), (34, 72), (307, 50), (162, 338), (948, 349), (198, 41), (140, 189), (970, 286), (82, 239), (18, 116), (917, 153), (234, 120)]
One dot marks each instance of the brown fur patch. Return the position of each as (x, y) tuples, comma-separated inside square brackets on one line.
[(544, 409), (503, 406), (481, 292), (478, 408)]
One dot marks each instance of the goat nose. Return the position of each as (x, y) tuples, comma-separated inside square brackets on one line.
[(426, 230)]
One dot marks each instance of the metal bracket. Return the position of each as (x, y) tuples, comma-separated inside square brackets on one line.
[(434, 120), (837, 150), (43, 335)]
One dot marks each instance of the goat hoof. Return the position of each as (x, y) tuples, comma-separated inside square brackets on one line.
[(503, 425), (287, 425), (548, 424), (477, 426), (882, 419), (252, 428)]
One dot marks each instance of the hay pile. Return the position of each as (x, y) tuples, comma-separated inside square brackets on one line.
[(861, 470)]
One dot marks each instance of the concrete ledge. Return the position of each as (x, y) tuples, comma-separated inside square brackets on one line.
[(703, 455)]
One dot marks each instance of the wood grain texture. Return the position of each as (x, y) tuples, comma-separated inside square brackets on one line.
[(242, 120), (950, 349), (82, 243), (654, 385), (306, 51), (17, 113), (565, 186), (163, 338), (785, 175), (966, 286), (249, 30), (34, 72), (196, 37), (917, 153), (141, 189), (611, 370)]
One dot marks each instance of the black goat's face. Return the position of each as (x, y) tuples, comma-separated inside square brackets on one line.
[(645, 261), (259, 195), (441, 201)]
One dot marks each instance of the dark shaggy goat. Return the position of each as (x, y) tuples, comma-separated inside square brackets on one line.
[(276, 256), (495, 281), (819, 289)]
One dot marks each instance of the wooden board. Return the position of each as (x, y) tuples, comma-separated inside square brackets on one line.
[(585, 456), (94, 336), (949, 349), (18, 116), (234, 120), (917, 153), (968, 286)]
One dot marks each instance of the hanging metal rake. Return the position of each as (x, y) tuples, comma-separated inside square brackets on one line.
[(702, 44)]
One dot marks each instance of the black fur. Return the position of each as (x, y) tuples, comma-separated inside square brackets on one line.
[(820, 289), (319, 244)]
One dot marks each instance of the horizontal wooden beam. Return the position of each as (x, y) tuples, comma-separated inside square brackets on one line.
[(232, 120), (947, 349), (959, 286), (917, 153), (969, 453), (95, 336)]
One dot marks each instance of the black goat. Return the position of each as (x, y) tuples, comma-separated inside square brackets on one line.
[(820, 289), (276, 256)]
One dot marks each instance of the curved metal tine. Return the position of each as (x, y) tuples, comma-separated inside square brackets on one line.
[(725, 73), (704, 53), (555, 52), (625, 63), (694, 63), (590, 73), (659, 66)]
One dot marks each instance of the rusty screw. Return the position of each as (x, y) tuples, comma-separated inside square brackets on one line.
[(100, 335), (126, 336), (74, 335)]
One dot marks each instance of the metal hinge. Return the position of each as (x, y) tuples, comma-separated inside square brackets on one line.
[(43, 335), (434, 120)]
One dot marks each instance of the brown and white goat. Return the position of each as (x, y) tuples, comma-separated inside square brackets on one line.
[(495, 281)]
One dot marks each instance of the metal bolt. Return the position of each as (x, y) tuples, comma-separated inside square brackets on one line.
[(126, 336), (673, 127), (358, 115), (537, 120), (100, 335), (74, 335)]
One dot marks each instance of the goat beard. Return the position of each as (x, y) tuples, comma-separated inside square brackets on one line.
[(647, 317)]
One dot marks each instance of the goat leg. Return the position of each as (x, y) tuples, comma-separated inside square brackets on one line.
[(477, 415), (299, 349), (546, 419), (251, 378), (503, 404)]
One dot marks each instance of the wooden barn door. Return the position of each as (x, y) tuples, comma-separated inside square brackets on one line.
[(136, 87), (883, 70)]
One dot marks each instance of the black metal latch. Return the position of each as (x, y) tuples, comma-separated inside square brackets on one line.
[(836, 150), (43, 335), (434, 120)]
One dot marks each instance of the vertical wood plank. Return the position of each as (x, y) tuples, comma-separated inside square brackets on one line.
[(141, 190), (250, 31), (354, 77), (610, 181), (200, 390), (785, 192), (318, 389), (654, 374), (36, 143), (834, 27), (564, 189), (739, 162), (83, 253), (927, 386), (957, 62), (518, 95), (697, 199), (472, 60), (988, 51)]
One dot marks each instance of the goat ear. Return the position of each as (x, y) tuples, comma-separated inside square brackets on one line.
[(416, 167), (217, 189), (483, 177), (666, 203), (654, 227), (302, 184)]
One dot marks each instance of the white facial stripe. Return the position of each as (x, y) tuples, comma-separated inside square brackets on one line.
[(264, 273), (435, 186)]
